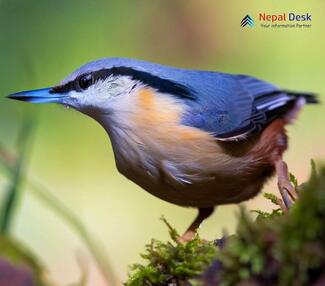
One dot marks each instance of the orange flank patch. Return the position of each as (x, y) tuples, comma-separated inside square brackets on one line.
[(158, 116), (153, 109), (272, 143), (146, 98)]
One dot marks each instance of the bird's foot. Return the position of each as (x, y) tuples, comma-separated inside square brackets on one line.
[(191, 232), (187, 236), (287, 190)]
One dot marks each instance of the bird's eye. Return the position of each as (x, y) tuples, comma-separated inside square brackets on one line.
[(85, 81)]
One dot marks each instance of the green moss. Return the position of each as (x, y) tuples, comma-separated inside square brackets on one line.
[(275, 212), (172, 262), (279, 249)]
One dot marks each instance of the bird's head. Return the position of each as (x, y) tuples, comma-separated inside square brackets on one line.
[(94, 89)]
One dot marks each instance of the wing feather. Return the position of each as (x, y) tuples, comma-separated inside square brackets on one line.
[(249, 105)]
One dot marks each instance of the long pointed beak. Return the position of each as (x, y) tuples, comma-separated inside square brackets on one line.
[(44, 95)]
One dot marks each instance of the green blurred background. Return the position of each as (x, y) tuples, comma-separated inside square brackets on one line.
[(43, 41)]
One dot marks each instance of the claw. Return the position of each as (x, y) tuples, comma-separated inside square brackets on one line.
[(287, 190), (187, 236)]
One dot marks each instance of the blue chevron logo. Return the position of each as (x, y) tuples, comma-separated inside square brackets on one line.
[(247, 20)]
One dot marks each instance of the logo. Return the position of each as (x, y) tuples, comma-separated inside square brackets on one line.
[(247, 20), (280, 20)]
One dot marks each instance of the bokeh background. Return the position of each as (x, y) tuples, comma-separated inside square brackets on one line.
[(43, 41)]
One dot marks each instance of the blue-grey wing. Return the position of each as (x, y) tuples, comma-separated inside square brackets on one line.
[(236, 106)]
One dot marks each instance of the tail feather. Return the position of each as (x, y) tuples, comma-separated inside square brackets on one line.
[(309, 97), (282, 104)]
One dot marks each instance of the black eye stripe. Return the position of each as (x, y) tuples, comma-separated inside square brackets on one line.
[(163, 85)]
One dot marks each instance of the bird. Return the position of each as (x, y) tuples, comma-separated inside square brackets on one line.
[(193, 138)]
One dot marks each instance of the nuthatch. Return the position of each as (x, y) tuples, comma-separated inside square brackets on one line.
[(192, 138)]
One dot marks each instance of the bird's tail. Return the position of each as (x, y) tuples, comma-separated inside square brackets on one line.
[(285, 104), (300, 99), (309, 97)]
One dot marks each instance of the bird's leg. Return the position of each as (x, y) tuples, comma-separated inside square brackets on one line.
[(287, 190), (191, 231)]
